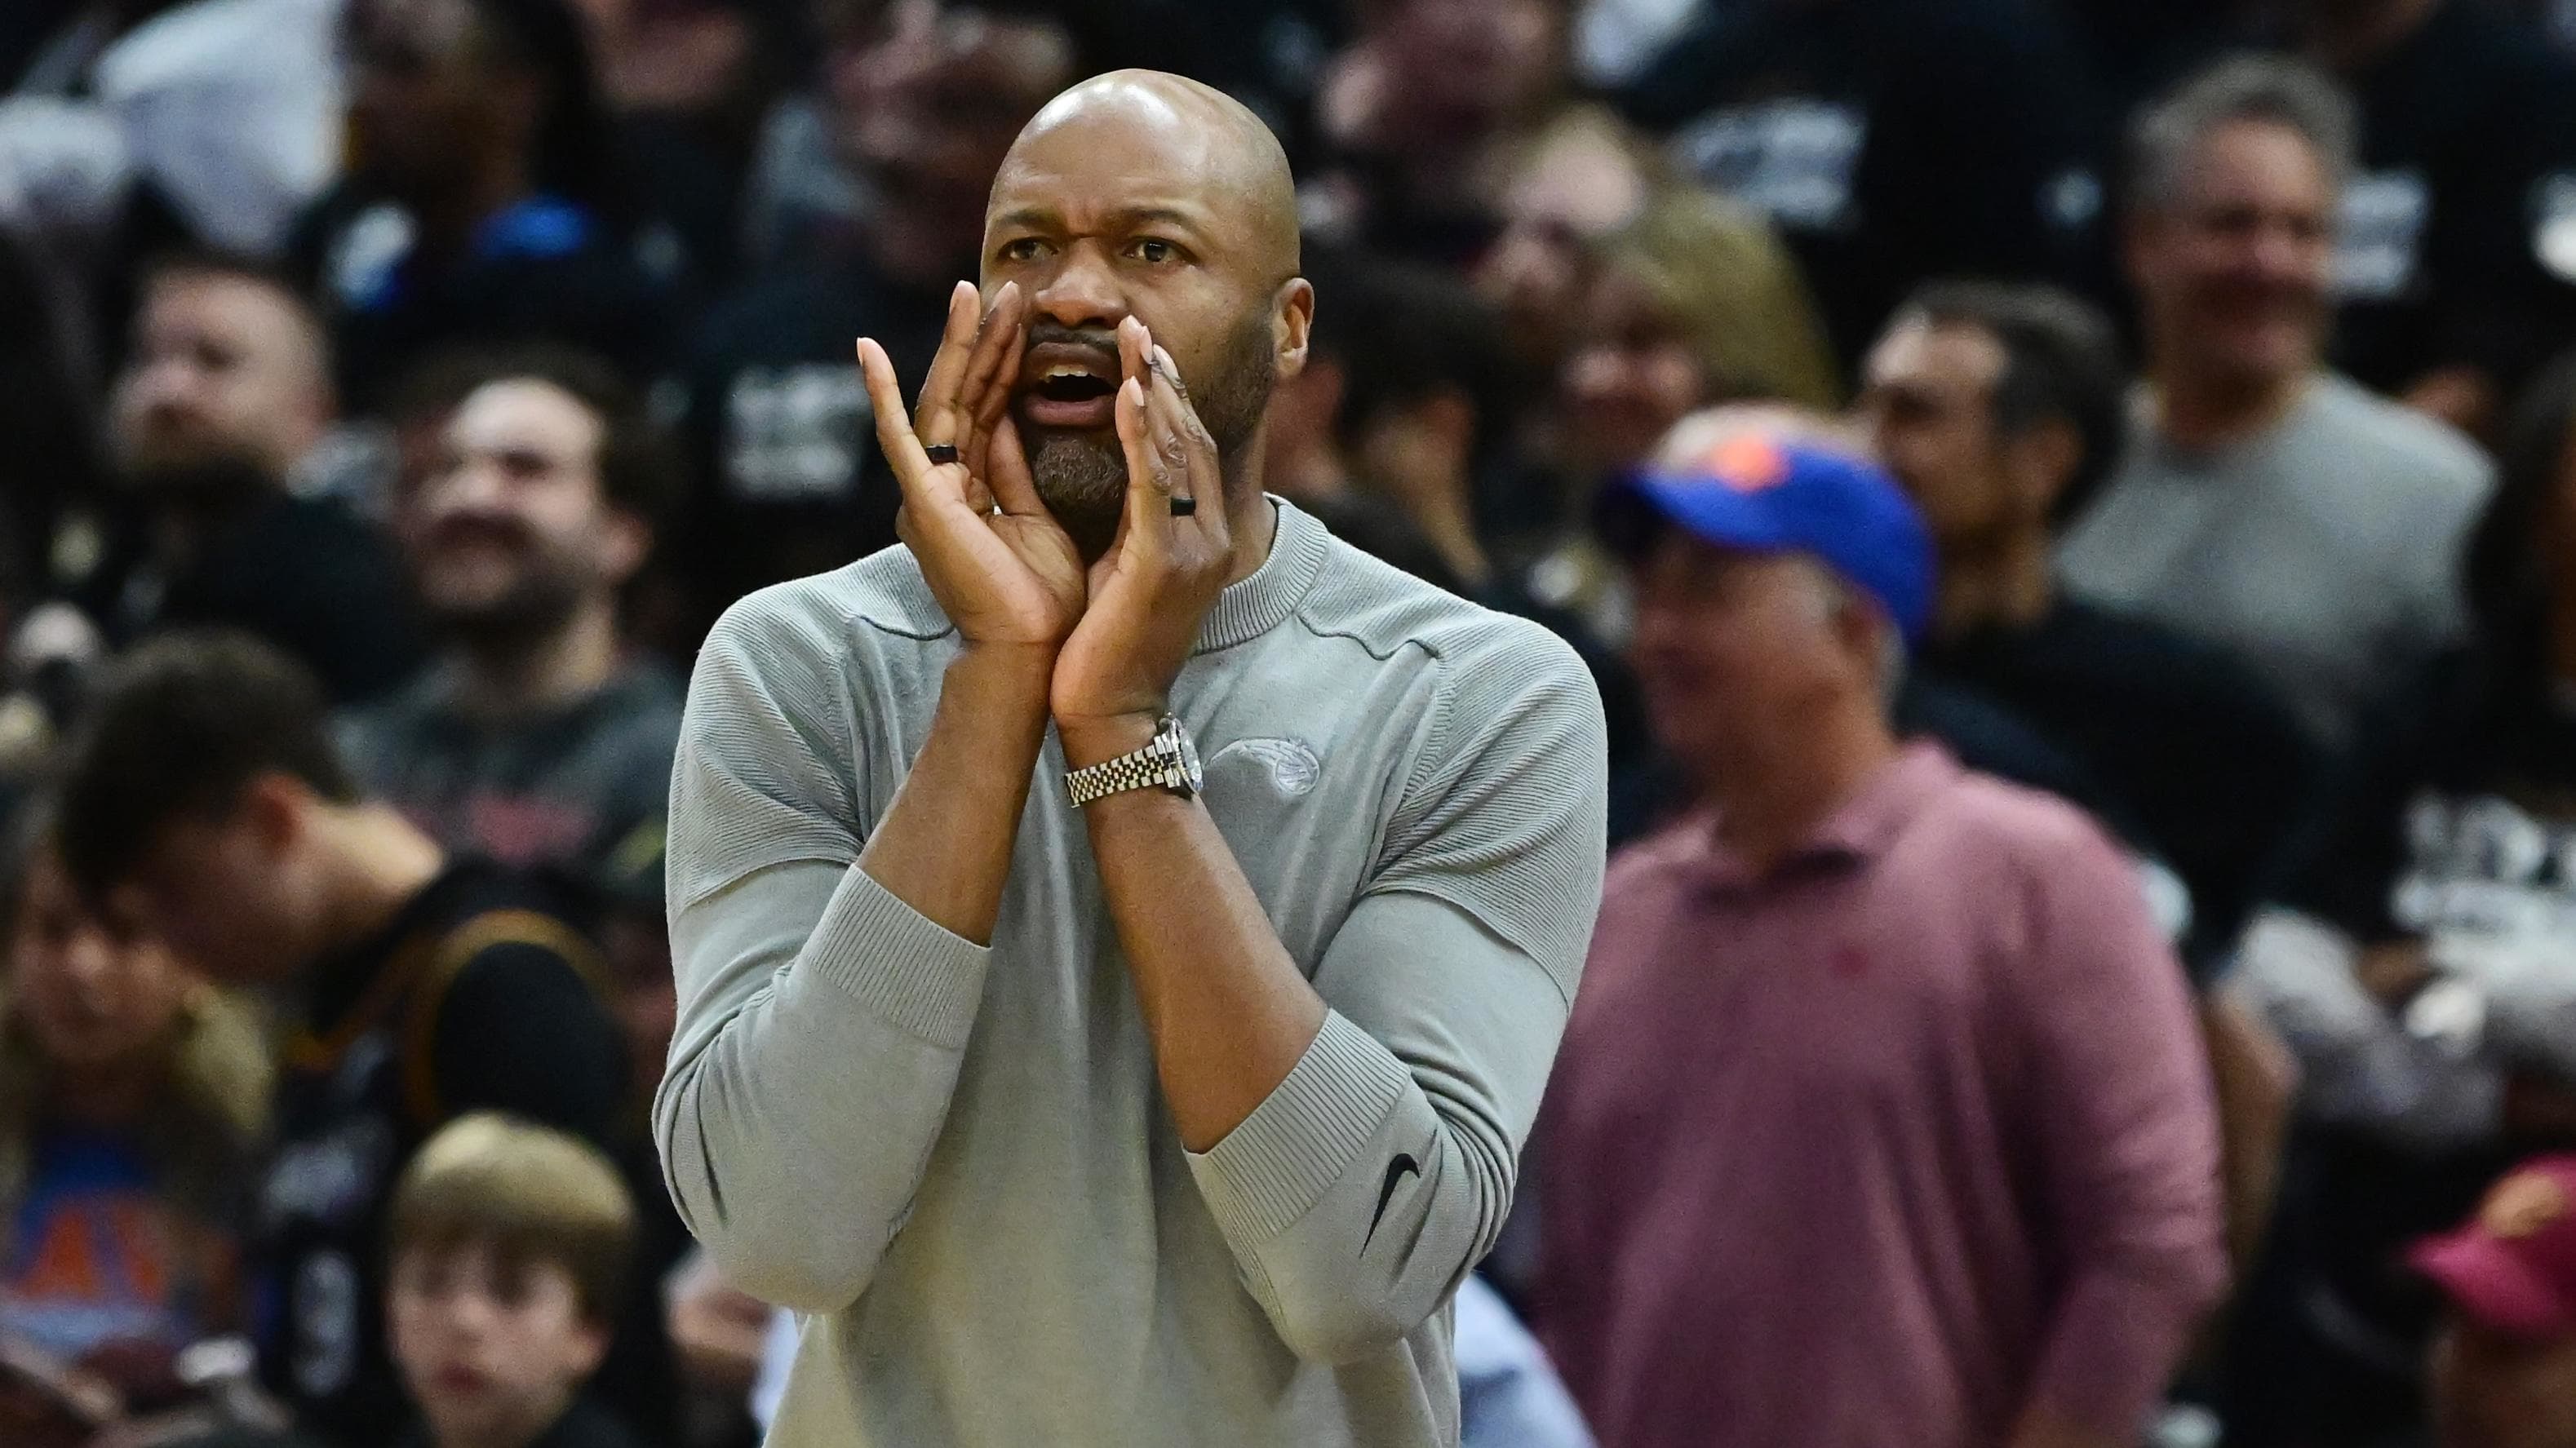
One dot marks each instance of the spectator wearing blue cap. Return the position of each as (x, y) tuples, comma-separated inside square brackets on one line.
[(1872, 1034)]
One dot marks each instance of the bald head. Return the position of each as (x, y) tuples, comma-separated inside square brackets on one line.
[(1202, 135), (1145, 195)]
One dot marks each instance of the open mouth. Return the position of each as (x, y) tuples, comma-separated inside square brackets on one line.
[(1073, 391)]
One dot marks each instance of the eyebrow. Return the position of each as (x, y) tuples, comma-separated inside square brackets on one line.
[(1047, 218)]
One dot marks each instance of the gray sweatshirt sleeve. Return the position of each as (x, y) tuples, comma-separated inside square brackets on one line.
[(2358, 1066), (821, 1019), (1361, 1191)]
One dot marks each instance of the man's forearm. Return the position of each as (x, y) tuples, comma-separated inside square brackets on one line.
[(1227, 1009), (944, 846)]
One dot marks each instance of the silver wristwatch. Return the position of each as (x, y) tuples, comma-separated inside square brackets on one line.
[(1168, 761)]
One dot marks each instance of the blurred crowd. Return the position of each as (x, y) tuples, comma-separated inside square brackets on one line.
[(2171, 721)]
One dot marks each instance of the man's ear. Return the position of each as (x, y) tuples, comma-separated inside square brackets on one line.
[(589, 1345), (276, 808), (625, 541), (1292, 324), (2039, 463)]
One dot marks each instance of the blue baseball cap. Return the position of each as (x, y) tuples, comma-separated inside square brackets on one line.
[(1760, 493)]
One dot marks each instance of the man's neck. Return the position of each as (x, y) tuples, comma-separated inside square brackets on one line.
[(111, 1095), (2003, 584), (378, 862), (1250, 515), (522, 677), (2351, 35), (1771, 802), (521, 1429), (2203, 412)]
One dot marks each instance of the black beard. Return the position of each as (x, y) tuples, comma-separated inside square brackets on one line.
[(526, 613), (1082, 477)]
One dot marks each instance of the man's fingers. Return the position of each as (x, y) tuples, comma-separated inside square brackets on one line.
[(938, 421), (1191, 452), (1134, 347), (996, 340), (1006, 469), (987, 409), (1147, 512), (995, 365), (894, 426), (1135, 435)]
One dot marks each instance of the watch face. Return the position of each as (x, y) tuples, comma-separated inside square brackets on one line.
[(1190, 765)]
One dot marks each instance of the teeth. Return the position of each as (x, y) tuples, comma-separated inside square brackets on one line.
[(1056, 372)]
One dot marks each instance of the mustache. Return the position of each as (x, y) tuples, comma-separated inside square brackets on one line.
[(461, 528), (1100, 340)]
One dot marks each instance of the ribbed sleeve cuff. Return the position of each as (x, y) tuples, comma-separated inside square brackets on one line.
[(919, 977), (1271, 1169)]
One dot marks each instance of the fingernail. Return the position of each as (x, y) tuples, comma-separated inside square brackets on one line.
[(1163, 360)]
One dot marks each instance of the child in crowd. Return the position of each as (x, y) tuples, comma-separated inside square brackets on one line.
[(132, 1097), (510, 1242)]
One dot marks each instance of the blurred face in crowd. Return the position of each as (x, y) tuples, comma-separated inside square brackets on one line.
[(2495, 1391), (1470, 64), (1733, 649), (510, 532), (492, 1348), (930, 94), (1148, 199), (223, 369), (240, 894), (2235, 269), (1631, 376), (92, 998), (427, 101), (1582, 187), (1928, 398)]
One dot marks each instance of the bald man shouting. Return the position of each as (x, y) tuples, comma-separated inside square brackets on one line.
[(1122, 933)]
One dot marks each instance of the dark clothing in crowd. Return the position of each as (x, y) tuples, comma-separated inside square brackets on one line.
[(790, 481), (2134, 53), (305, 574), (2201, 757), (1987, 736), (544, 268), (584, 1425), (583, 786), (1892, 141), (2459, 236), (2457, 828), (479, 995)]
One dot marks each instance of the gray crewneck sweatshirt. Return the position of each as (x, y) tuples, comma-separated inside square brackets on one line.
[(957, 1160)]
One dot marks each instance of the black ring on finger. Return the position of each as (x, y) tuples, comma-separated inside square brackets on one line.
[(940, 452), (1184, 507)]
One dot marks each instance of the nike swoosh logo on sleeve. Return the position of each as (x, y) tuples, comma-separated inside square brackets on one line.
[(1395, 1173)]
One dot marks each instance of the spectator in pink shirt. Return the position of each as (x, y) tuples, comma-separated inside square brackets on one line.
[(1882, 1117)]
